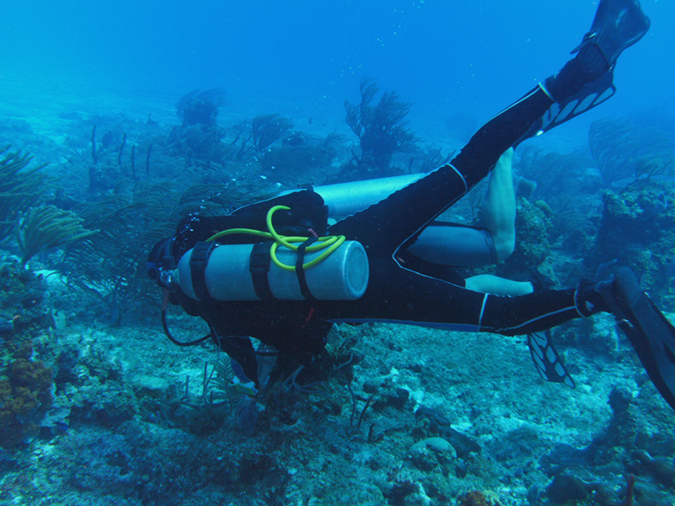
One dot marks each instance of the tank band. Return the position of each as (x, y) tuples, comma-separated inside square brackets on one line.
[(300, 272), (259, 266), (198, 261)]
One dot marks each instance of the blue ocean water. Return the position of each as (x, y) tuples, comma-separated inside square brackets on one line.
[(445, 57), (110, 412)]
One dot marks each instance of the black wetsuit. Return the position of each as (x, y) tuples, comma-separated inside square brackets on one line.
[(395, 293), (398, 294)]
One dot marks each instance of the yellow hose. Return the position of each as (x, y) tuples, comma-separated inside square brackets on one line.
[(329, 243)]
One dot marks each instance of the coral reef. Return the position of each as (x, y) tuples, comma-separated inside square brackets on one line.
[(637, 230), (22, 298), (389, 414), (476, 498), (533, 247), (200, 107), (301, 159), (24, 397), (571, 189)]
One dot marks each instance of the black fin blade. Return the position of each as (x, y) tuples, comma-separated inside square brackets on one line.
[(590, 96), (546, 359), (653, 338)]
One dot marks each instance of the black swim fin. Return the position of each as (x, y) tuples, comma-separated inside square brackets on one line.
[(546, 358), (650, 333), (618, 24), (591, 95)]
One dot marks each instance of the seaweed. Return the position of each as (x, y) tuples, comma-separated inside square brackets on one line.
[(19, 188), (381, 128), (267, 129), (47, 227), (110, 266), (300, 158), (625, 149), (107, 266)]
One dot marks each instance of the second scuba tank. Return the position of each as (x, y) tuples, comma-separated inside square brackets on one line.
[(227, 273)]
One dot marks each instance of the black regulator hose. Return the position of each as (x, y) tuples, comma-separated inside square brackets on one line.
[(165, 301)]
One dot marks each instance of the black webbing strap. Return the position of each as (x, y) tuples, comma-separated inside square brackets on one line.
[(198, 260), (259, 266), (300, 272)]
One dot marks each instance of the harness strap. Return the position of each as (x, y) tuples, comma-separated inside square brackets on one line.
[(300, 272), (198, 260), (259, 267)]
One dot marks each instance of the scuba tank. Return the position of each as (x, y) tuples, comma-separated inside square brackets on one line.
[(434, 244), (345, 199), (230, 271)]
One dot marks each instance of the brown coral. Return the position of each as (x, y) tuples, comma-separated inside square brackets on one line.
[(477, 498), (26, 392)]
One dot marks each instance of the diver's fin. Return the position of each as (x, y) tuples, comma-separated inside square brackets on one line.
[(618, 24), (546, 358), (650, 333), (592, 94)]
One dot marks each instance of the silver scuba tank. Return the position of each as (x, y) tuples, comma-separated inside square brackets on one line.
[(345, 199), (342, 275), (434, 244)]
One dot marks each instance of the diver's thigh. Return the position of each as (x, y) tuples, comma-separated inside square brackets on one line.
[(455, 245)]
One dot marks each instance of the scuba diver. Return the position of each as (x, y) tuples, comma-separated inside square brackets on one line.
[(277, 271)]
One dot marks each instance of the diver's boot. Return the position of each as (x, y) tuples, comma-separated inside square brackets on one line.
[(618, 24), (591, 298)]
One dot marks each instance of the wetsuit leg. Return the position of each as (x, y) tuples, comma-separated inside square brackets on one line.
[(482, 152), (406, 212), (399, 295)]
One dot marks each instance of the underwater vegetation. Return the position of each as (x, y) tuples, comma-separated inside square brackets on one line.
[(25, 382), (105, 409), (628, 150), (109, 266), (48, 227), (200, 108), (267, 129), (382, 130), (20, 188), (38, 227)]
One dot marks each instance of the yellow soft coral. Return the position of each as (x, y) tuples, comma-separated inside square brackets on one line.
[(27, 390), (477, 498)]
